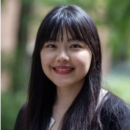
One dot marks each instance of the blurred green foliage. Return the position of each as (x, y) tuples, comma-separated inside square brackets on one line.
[(11, 104), (21, 62), (118, 17), (89, 4), (119, 85)]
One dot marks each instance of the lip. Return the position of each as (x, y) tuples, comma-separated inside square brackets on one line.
[(63, 67)]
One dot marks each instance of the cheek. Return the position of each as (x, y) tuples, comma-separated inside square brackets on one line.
[(46, 59), (83, 60)]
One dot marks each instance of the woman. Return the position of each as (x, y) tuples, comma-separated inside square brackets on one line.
[(65, 85)]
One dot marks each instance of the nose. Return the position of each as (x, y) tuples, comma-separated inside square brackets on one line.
[(62, 56)]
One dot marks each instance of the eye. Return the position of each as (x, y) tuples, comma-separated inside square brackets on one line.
[(51, 46), (75, 46)]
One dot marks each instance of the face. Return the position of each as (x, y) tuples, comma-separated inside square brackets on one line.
[(66, 62)]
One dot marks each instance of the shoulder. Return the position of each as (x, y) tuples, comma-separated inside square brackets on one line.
[(115, 113), (115, 105), (19, 119)]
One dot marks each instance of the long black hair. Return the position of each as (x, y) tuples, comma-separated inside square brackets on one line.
[(81, 115)]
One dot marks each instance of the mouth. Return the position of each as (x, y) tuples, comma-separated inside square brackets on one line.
[(63, 70)]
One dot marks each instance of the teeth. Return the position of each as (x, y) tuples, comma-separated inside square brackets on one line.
[(63, 69)]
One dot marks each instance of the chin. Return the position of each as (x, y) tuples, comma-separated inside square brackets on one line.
[(62, 85)]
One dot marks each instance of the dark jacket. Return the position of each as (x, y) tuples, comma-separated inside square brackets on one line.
[(115, 115)]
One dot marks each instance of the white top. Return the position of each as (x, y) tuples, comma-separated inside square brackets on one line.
[(102, 94), (51, 123)]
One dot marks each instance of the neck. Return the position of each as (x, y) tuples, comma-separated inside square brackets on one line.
[(66, 95)]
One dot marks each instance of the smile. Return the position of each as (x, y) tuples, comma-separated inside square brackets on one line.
[(63, 70)]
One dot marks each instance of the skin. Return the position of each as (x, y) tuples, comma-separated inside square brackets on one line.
[(70, 53)]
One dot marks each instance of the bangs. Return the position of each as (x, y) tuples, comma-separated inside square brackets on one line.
[(64, 21)]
